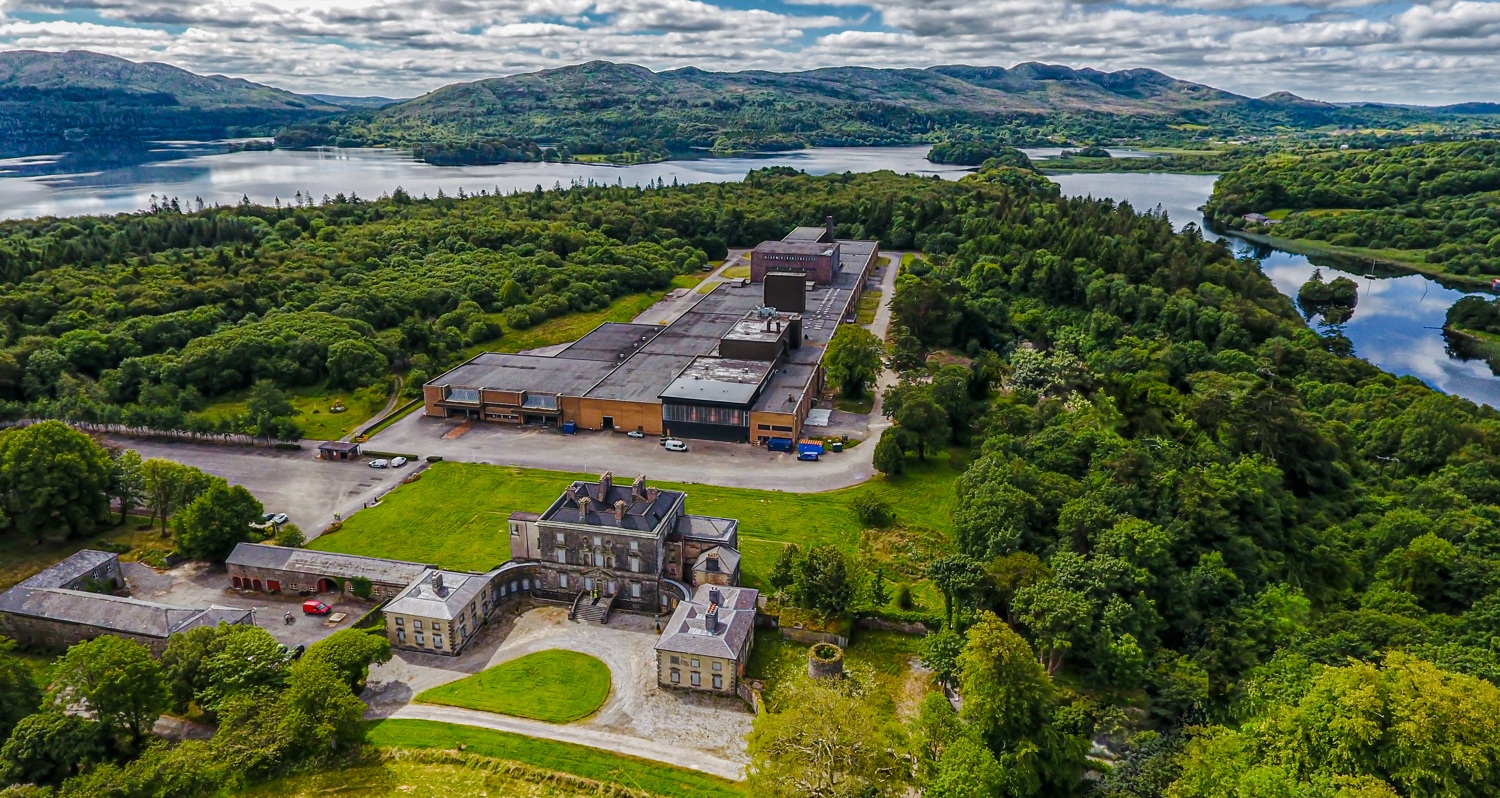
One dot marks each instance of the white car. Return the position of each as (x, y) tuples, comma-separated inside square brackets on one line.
[(674, 445), (397, 462), (635, 433), (379, 463)]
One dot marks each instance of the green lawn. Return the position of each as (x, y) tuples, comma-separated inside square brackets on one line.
[(577, 760), (425, 775), (313, 403), (21, 557), (735, 272), (869, 302), (456, 514), (555, 686)]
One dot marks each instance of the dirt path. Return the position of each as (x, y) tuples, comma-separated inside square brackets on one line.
[(593, 738), (390, 406)]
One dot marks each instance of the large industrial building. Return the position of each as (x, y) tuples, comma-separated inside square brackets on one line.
[(745, 363)]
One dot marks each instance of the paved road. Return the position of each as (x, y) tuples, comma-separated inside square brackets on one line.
[(310, 491), (593, 738)]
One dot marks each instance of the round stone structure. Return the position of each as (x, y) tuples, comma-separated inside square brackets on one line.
[(825, 661)]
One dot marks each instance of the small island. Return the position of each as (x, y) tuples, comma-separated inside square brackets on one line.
[(1086, 152), (1333, 300), (1472, 329), (977, 152)]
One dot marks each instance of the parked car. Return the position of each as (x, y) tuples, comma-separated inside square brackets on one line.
[(315, 607), (275, 519), (379, 463), (397, 462), (635, 433), (674, 445)]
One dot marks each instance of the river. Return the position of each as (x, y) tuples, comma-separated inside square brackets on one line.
[(1396, 326)]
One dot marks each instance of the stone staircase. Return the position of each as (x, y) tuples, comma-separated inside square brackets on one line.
[(586, 610)]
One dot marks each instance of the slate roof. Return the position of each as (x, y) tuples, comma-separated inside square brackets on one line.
[(686, 633), (69, 569), (323, 563), (707, 527), (640, 515), (422, 599), (729, 560)]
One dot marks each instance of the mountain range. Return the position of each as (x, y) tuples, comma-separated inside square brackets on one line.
[(623, 111)]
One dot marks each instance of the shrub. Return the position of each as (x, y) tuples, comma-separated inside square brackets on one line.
[(872, 511), (434, 458), (903, 596), (360, 587)]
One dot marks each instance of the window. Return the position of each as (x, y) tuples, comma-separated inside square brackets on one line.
[(598, 558), (696, 679), (562, 580), (763, 426), (400, 621), (560, 538), (635, 545), (437, 641), (675, 661), (693, 663), (561, 555), (718, 682), (421, 641), (597, 540), (676, 676), (635, 563), (706, 414), (635, 590), (401, 636), (718, 666), (437, 627), (416, 625)]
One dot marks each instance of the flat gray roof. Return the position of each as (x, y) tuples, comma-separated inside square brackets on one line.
[(784, 392), (753, 327), (611, 342), (640, 378), (533, 373), (795, 247), (808, 233), (720, 380)]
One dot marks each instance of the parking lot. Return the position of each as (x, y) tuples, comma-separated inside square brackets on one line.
[(199, 585), (310, 491)]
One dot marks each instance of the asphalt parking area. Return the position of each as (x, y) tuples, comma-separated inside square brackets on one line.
[(310, 491), (199, 585)]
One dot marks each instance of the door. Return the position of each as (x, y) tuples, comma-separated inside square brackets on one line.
[(325, 585), (257, 584), (609, 422), (273, 586)]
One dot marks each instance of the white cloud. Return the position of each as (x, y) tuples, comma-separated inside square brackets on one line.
[(1428, 51)]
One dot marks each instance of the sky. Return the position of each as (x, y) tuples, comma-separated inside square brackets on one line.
[(1429, 53)]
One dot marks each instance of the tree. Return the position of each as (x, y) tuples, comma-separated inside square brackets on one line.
[(822, 742), (824, 582), (940, 653), (53, 476), (957, 577), (918, 414), (127, 483), (117, 681), (290, 536), (351, 652), (1056, 618), (189, 769), (170, 486), (967, 769), (1009, 701), (240, 660), (268, 409), (355, 363), (48, 747), (784, 571), (19, 694), (182, 663), (853, 359), (890, 455), (213, 523), (317, 713), (872, 511)]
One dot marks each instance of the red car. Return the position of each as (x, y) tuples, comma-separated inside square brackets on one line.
[(315, 607)]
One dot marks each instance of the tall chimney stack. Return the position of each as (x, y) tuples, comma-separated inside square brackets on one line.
[(828, 224), (605, 481), (711, 619), (620, 510), (583, 506)]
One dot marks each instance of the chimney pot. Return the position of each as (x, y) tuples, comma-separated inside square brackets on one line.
[(620, 510)]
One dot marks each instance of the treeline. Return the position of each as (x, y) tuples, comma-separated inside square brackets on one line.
[(87, 733), (1200, 513), (1432, 200)]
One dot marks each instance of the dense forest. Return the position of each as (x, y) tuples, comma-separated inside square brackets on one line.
[(61, 102), (625, 112), (1435, 203), (1191, 527)]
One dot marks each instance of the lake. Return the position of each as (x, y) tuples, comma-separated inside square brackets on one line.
[(189, 173), (1398, 322), (1396, 326)]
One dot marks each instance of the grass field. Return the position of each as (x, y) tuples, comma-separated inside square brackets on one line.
[(736, 272), (564, 329), (312, 403), (576, 760), (456, 514), (555, 686), (433, 773)]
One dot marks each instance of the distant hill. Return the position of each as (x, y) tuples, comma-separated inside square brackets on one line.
[(357, 102), (624, 112), (51, 102)]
